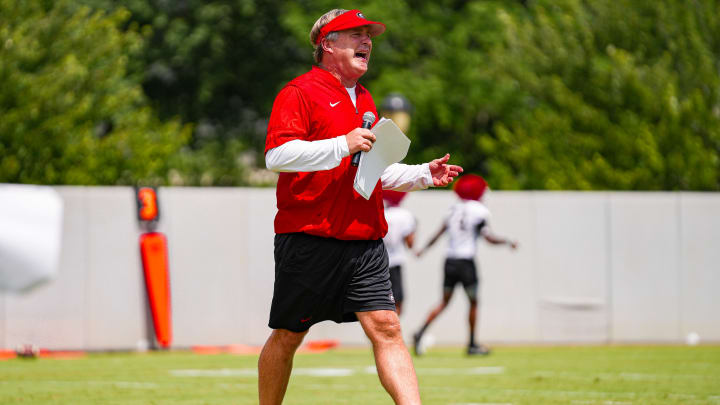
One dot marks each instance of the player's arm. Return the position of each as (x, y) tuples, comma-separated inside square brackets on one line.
[(495, 239), (410, 240), (434, 239), (410, 236)]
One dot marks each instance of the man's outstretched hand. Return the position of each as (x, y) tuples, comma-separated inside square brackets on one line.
[(443, 173)]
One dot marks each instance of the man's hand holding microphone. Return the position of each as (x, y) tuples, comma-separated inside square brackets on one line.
[(361, 139)]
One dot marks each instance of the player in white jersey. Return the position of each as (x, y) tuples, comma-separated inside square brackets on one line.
[(401, 234), (467, 220)]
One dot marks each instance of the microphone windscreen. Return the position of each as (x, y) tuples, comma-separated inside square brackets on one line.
[(369, 117)]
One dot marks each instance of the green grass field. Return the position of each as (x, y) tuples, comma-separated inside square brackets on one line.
[(582, 375)]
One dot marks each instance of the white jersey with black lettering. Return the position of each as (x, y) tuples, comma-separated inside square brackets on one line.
[(467, 220), (401, 223)]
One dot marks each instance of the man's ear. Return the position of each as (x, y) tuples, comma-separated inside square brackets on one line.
[(326, 45)]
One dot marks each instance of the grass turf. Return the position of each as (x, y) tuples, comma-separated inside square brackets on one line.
[(583, 375)]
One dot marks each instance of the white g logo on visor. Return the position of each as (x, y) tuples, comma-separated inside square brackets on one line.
[(361, 16)]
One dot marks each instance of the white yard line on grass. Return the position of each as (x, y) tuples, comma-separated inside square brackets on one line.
[(596, 397), (461, 371), (135, 385), (647, 376), (506, 392), (624, 375), (118, 384), (324, 372), (252, 372), (252, 386), (601, 403), (220, 372), (449, 370), (480, 403), (332, 372)]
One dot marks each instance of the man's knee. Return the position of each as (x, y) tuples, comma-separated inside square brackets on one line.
[(383, 326), (288, 339), (472, 292)]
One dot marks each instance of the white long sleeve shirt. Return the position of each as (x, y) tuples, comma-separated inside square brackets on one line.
[(326, 154)]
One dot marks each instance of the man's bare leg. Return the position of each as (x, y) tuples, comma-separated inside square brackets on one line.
[(392, 359), (275, 365)]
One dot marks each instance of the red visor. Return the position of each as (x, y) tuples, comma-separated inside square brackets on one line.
[(350, 19), (470, 187)]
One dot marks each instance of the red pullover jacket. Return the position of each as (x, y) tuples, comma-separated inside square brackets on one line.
[(316, 106)]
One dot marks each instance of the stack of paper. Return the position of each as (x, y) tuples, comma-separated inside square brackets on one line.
[(391, 146)]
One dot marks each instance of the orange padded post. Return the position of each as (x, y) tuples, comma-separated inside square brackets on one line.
[(153, 248)]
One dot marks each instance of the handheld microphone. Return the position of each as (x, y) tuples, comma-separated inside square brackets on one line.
[(368, 120)]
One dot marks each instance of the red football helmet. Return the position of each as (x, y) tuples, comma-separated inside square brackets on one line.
[(470, 187)]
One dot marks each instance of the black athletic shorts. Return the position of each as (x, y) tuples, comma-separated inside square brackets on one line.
[(460, 271), (319, 279), (396, 281)]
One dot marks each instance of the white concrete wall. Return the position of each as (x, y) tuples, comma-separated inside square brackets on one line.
[(699, 251), (645, 273), (591, 267)]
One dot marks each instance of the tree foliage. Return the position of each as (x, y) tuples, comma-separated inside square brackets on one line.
[(71, 113), (609, 95), (217, 64), (542, 94), (557, 94)]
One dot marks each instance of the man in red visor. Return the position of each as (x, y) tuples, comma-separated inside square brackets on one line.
[(330, 260)]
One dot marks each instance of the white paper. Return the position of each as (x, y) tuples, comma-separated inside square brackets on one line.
[(391, 146)]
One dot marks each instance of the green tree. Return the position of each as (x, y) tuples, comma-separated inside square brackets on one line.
[(555, 94), (543, 94), (70, 113), (217, 64), (608, 95)]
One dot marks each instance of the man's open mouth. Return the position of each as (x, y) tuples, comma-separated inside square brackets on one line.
[(362, 55)]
